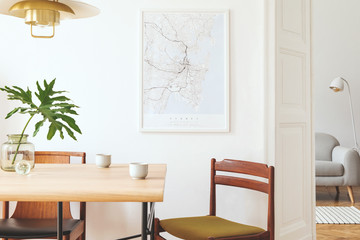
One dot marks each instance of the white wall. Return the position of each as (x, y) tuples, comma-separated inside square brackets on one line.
[(97, 61), (336, 52)]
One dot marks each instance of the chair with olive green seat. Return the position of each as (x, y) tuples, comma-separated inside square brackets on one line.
[(212, 227)]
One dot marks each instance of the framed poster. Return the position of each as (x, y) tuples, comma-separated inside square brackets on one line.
[(185, 71)]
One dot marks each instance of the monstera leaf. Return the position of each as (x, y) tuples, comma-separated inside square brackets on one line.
[(53, 107)]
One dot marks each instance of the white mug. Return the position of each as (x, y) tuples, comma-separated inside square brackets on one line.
[(138, 170), (103, 160)]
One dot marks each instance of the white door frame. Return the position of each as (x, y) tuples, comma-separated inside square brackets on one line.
[(289, 116)]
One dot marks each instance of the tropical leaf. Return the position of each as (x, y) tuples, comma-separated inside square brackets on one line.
[(70, 122), (66, 110), (54, 108), (60, 99), (38, 125), (12, 112), (52, 131), (69, 132)]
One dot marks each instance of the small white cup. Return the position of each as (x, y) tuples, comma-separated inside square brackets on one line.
[(103, 160), (138, 170)]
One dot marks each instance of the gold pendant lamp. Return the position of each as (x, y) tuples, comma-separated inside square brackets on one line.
[(46, 13)]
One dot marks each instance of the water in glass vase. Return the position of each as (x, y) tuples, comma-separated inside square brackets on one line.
[(16, 149)]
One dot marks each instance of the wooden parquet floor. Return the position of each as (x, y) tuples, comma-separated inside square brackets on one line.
[(326, 196)]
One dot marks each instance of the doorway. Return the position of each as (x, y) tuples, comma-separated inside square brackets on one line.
[(335, 52)]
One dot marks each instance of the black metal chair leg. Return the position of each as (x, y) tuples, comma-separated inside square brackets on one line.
[(60, 221), (144, 221), (151, 221)]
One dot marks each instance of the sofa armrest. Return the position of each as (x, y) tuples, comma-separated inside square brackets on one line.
[(350, 159)]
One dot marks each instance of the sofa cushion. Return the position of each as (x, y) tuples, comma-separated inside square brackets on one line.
[(327, 168), (324, 145)]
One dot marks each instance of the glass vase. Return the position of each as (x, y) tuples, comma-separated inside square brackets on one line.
[(16, 149)]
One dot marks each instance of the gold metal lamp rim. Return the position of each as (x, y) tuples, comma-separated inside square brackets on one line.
[(47, 12), (81, 9), (19, 9)]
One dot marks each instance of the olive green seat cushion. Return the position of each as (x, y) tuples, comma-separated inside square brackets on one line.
[(200, 228)]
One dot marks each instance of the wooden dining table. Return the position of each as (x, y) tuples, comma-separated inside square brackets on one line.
[(86, 183)]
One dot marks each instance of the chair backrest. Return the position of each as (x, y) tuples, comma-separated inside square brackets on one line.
[(46, 210), (324, 145), (247, 168)]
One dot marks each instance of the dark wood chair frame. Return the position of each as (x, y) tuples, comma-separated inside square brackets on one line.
[(242, 167), (29, 209)]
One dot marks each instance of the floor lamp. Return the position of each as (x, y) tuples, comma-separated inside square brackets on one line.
[(337, 85)]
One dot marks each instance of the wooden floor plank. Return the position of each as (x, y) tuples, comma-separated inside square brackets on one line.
[(327, 196)]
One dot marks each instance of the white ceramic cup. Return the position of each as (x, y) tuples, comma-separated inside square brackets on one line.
[(103, 160), (138, 170)]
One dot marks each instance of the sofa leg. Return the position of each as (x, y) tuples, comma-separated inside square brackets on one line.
[(351, 194), (337, 190)]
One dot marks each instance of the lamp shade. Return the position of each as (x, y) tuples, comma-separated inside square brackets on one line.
[(337, 84), (80, 9), (46, 12)]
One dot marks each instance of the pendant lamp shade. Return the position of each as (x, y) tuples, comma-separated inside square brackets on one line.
[(46, 12)]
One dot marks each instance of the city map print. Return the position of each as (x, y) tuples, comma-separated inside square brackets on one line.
[(184, 71)]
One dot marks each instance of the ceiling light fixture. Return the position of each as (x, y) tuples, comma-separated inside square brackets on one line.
[(47, 13)]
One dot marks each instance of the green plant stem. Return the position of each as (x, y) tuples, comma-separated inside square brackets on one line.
[(21, 137)]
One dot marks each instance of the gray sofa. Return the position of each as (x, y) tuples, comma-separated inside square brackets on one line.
[(335, 165)]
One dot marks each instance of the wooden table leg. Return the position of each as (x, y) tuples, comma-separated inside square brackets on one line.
[(60, 221)]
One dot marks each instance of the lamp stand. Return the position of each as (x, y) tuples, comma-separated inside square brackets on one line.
[(356, 147)]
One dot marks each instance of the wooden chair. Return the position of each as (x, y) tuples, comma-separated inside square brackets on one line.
[(212, 227), (38, 219)]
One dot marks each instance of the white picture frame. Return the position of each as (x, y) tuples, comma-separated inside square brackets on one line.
[(184, 83)]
